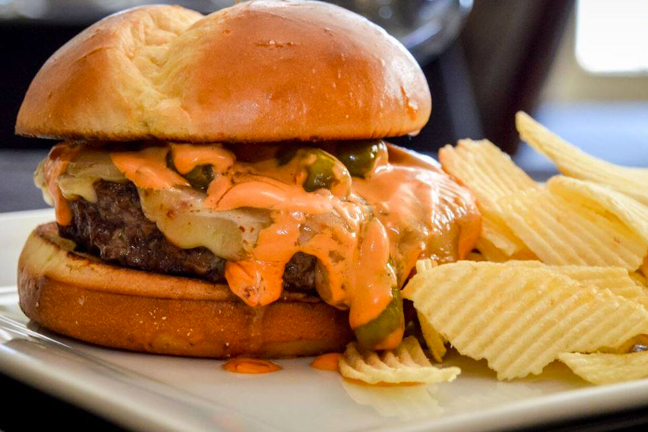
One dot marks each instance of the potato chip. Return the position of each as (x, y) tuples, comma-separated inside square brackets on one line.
[(423, 265), (489, 251), (434, 341), (603, 199), (628, 346), (499, 235), (405, 365), (491, 175), (602, 368), (639, 279), (573, 162), (520, 318), (561, 232), (485, 169), (616, 279), (498, 243), (643, 271)]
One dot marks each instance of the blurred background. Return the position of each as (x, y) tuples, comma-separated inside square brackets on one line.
[(580, 66)]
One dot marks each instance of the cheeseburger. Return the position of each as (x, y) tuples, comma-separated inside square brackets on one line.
[(222, 186)]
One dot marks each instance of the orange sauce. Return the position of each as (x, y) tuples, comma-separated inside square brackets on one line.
[(327, 362), (261, 194), (55, 166), (187, 156), (427, 200), (250, 366), (371, 278), (257, 283), (148, 168), (407, 209)]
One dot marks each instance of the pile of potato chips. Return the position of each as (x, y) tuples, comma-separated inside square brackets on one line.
[(559, 272)]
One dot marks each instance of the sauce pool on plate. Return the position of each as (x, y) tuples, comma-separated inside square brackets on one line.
[(327, 362), (250, 366)]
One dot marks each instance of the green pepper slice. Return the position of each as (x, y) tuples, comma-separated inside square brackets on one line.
[(199, 177), (391, 319), (321, 173), (359, 156)]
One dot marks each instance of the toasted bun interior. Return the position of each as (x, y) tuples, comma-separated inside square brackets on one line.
[(84, 298), (258, 71)]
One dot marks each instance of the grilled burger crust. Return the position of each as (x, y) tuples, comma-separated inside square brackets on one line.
[(82, 297)]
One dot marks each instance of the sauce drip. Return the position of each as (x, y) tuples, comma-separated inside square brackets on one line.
[(258, 283), (55, 166), (250, 366), (327, 362)]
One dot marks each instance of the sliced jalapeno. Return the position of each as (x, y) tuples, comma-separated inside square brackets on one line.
[(391, 319), (359, 156), (321, 172), (199, 177)]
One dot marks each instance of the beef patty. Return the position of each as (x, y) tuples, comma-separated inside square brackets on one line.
[(116, 230)]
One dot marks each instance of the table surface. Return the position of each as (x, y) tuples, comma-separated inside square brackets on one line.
[(618, 133)]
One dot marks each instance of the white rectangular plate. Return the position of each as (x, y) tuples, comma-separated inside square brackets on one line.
[(148, 392)]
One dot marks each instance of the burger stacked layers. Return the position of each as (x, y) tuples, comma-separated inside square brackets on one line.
[(223, 188)]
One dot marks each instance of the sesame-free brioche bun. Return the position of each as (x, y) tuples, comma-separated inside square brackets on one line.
[(82, 297), (259, 71)]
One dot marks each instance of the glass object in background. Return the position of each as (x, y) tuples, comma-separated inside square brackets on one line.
[(612, 36), (425, 27)]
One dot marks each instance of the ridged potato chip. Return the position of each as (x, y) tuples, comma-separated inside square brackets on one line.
[(562, 232), (602, 368), (498, 243), (434, 341), (603, 199), (407, 364), (489, 251), (427, 264), (488, 172), (573, 162), (616, 279), (630, 345), (491, 175), (643, 269), (520, 318)]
